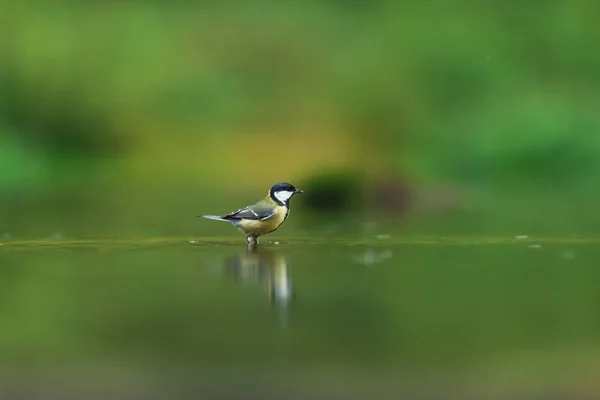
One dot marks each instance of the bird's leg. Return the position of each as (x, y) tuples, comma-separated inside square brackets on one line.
[(252, 240)]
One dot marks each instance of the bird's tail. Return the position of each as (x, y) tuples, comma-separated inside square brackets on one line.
[(215, 217)]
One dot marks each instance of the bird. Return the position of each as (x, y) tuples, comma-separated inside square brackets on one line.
[(263, 217)]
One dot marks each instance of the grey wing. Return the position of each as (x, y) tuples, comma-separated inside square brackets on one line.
[(255, 212)]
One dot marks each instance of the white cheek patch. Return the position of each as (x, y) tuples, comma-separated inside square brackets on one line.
[(283, 195)]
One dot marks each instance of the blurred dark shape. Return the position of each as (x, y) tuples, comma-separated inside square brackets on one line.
[(259, 266), (334, 191), (338, 191), (438, 198), (390, 194), (58, 118)]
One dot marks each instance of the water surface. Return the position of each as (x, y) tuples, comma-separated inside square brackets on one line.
[(382, 316)]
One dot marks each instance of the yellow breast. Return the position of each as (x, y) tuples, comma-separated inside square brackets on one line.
[(257, 227)]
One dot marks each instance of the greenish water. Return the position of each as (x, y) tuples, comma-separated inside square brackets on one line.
[(383, 316)]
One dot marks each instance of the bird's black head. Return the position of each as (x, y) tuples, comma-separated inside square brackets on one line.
[(282, 192)]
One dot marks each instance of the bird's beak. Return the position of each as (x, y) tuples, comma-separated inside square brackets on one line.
[(298, 191)]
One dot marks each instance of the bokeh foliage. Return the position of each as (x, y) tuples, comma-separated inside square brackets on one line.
[(187, 97)]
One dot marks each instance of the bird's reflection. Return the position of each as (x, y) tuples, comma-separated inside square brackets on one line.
[(269, 269)]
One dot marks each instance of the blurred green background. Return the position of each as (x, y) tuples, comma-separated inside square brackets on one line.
[(131, 117), (410, 125)]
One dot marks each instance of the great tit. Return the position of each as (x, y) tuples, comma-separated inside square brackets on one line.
[(263, 217)]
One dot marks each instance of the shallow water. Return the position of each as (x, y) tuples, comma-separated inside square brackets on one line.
[(384, 316)]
